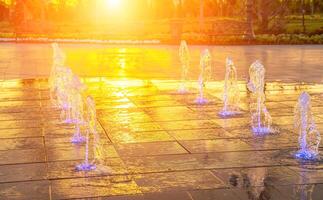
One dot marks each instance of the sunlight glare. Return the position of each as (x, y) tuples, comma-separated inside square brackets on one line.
[(113, 4)]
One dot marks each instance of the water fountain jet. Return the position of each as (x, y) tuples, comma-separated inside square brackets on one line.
[(309, 137), (77, 116), (58, 63), (204, 77), (91, 128), (231, 91), (261, 120), (184, 56), (63, 95)]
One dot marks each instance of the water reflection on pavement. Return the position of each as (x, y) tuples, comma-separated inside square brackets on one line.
[(284, 63)]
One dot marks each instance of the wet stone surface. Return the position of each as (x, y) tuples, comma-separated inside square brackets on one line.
[(157, 144)]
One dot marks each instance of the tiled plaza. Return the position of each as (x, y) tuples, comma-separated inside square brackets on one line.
[(158, 144)]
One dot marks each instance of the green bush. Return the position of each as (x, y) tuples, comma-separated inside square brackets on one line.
[(289, 39)]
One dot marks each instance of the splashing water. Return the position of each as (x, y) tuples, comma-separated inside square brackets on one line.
[(77, 112), (58, 55), (261, 120), (86, 165), (304, 191), (60, 81), (257, 177), (184, 56), (58, 62), (91, 128), (205, 74), (248, 178), (231, 91), (309, 137), (66, 91), (64, 84)]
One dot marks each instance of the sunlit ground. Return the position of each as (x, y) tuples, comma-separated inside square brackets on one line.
[(157, 143), (282, 63)]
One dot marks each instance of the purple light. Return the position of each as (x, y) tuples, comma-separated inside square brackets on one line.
[(225, 113), (85, 167), (261, 130), (201, 101), (306, 155), (77, 139), (309, 137)]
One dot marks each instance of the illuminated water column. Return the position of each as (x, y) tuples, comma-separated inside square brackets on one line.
[(309, 137), (261, 120), (205, 74), (184, 57), (231, 91), (91, 129)]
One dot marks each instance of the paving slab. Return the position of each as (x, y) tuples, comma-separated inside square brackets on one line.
[(21, 133), (311, 191), (156, 144), (187, 180), (173, 195), (151, 148), (23, 172), (18, 156), (217, 145), (22, 143), (199, 134), (67, 169), (37, 190), (257, 177), (139, 137), (93, 187), (77, 152)]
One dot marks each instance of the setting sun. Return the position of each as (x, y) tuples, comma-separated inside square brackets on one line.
[(113, 4)]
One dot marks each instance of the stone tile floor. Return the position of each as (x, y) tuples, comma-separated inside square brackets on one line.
[(158, 145)]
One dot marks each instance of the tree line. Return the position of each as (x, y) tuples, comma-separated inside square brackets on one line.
[(263, 12), (168, 8)]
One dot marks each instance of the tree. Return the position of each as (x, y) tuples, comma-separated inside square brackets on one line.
[(269, 10), (303, 15), (249, 12)]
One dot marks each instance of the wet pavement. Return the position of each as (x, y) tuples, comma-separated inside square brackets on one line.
[(288, 63), (157, 143)]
